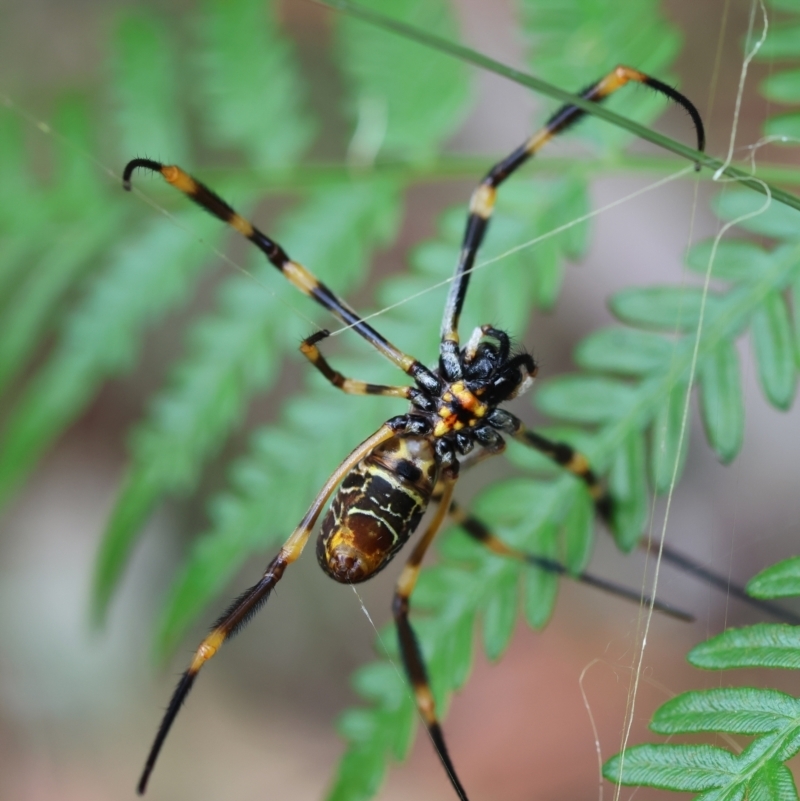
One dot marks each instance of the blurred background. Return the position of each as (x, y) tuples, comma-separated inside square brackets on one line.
[(79, 707)]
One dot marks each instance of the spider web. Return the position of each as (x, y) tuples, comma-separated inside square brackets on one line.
[(645, 625)]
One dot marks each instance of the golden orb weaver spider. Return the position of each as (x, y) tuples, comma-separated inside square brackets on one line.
[(383, 487)]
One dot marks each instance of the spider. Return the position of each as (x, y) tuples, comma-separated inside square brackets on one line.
[(383, 487)]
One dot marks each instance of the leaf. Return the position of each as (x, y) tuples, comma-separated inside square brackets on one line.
[(249, 93), (795, 297), (585, 399), (773, 783), (666, 446), (77, 190), (739, 710), (624, 351), (144, 279), (721, 404), (138, 494), (147, 89), (33, 306), (774, 350), (784, 125), (734, 259), (769, 218), (541, 586), (770, 645), (781, 41), (380, 681), (778, 581), (685, 768), (578, 529), (628, 487), (416, 107), (782, 87), (782, 5), (501, 612), (669, 309), (20, 200), (517, 508)]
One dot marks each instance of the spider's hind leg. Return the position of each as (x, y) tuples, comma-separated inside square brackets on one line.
[(248, 603), (409, 645), (480, 532), (577, 464)]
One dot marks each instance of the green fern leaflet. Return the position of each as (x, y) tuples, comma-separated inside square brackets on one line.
[(86, 272), (771, 717)]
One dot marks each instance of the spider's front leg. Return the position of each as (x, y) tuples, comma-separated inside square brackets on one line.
[(484, 197), (352, 386), (297, 275)]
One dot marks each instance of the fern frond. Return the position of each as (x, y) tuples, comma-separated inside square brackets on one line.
[(418, 106), (147, 88), (783, 84), (248, 93), (145, 278), (770, 716)]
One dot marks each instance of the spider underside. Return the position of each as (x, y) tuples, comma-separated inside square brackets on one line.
[(383, 487)]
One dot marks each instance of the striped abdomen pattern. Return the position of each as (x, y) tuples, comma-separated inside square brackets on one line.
[(377, 508)]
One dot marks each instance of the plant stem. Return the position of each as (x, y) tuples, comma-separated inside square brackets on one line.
[(545, 88)]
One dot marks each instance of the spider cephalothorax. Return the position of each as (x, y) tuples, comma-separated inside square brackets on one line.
[(382, 489)]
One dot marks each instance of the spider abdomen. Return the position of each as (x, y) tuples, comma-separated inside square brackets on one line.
[(376, 509)]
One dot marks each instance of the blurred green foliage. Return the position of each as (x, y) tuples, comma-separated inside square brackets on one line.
[(84, 272)]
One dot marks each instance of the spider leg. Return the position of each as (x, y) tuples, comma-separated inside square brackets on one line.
[(722, 582), (296, 274), (250, 601), (409, 645), (483, 199), (578, 465), (309, 349), (479, 531), (563, 455)]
